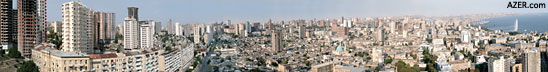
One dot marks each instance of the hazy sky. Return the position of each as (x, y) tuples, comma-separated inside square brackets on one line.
[(209, 11)]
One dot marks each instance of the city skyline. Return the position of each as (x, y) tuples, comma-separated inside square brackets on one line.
[(239, 11)]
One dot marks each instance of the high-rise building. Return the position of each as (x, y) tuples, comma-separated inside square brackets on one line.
[(57, 27), (105, 22), (465, 36), (42, 14), (8, 23), (380, 35), (197, 33), (270, 25), (131, 33), (170, 28), (133, 12), (157, 27), (531, 61), (147, 33), (78, 34), (497, 65), (277, 41), (178, 29), (302, 31), (29, 32)]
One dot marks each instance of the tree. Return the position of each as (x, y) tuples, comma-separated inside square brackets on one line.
[(168, 48), (402, 67), (28, 66), (387, 61), (13, 53), (2, 52)]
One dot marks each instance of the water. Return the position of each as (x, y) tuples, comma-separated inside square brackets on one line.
[(527, 23)]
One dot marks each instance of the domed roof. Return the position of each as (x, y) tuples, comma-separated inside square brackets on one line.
[(339, 48)]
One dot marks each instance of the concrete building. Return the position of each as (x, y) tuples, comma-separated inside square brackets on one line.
[(198, 31), (531, 61), (57, 27), (105, 23), (133, 12), (29, 32), (277, 43), (465, 36), (157, 27), (340, 68), (8, 24), (77, 28), (176, 60), (49, 59), (497, 65), (170, 28), (380, 35), (324, 67), (178, 29), (147, 33), (302, 31), (131, 33)]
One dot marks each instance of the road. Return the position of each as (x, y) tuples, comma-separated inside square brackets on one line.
[(204, 62)]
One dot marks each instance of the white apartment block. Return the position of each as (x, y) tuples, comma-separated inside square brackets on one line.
[(131, 33), (147, 33), (76, 23), (178, 29)]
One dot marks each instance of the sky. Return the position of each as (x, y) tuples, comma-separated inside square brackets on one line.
[(239, 11)]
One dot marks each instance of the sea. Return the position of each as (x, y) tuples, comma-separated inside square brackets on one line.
[(526, 23)]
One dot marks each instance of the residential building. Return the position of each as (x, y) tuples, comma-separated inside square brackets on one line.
[(105, 22), (133, 12), (497, 65), (147, 33), (531, 61), (29, 32), (131, 33), (77, 28), (57, 27), (49, 59), (277, 42), (8, 24)]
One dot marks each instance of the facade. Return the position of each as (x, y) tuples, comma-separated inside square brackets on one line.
[(176, 60), (105, 22), (465, 36), (133, 12), (29, 32), (170, 28), (76, 28), (531, 61), (148, 60), (50, 60), (198, 29), (497, 65), (178, 29), (57, 27), (147, 33), (277, 41), (324, 67), (131, 33), (8, 23)]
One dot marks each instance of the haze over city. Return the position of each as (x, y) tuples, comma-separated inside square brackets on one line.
[(210, 11)]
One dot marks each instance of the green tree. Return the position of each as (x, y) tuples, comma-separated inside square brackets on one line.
[(2, 52), (13, 53), (28, 66), (387, 61)]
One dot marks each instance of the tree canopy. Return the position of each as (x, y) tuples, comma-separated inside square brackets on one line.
[(28, 66)]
